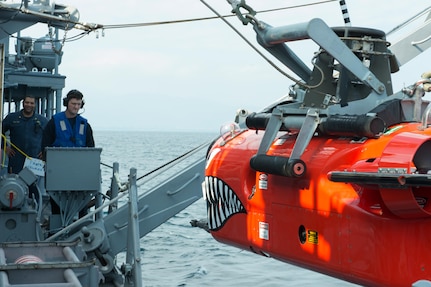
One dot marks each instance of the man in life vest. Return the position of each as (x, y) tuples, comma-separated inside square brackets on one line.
[(68, 129)]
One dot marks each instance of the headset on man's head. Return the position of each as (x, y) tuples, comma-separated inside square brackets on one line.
[(73, 94)]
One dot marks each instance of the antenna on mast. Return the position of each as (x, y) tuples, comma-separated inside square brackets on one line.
[(346, 16), (345, 12)]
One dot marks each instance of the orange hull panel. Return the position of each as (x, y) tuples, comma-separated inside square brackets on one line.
[(362, 232)]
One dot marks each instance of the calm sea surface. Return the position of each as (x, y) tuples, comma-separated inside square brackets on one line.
[(177, 254)]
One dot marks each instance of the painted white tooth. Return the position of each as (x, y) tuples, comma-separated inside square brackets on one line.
[(231, 201), (229, 204), (218, 217), (213, 191), (209, 217), (238, 205), (223, 193), (206, 188), (230, 196), (220, 187), (223, 212), (224, 208), (212, 216), (215, 215)]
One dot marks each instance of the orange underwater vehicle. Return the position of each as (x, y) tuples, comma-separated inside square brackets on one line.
[(335, 177)]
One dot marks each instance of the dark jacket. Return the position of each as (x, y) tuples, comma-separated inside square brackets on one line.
[(26, 134)]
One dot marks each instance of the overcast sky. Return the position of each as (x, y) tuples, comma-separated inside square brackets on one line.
[(194, 76)]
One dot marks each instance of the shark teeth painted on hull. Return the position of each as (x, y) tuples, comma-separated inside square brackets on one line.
[(222, 202)]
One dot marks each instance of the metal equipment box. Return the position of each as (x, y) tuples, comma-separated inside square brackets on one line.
[(72, 168)]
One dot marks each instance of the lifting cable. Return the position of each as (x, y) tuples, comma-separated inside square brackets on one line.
[(181, 157), (134, 25)]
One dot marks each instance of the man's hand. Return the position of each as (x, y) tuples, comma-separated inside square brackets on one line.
[(10, 151)]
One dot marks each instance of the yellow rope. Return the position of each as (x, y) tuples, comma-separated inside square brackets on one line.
[(6, 140)]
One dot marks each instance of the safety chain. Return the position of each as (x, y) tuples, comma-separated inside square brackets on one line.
[(51, 37)]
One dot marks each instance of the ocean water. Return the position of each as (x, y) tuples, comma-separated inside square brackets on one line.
[(177, 254)]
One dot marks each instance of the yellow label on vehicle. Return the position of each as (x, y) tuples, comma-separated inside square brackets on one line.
[(313, 237)]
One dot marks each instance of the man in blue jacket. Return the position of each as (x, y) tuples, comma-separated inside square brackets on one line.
[(25, 131)]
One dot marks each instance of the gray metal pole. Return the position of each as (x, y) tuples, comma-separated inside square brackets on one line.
[(133, 258), (114, 186)]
